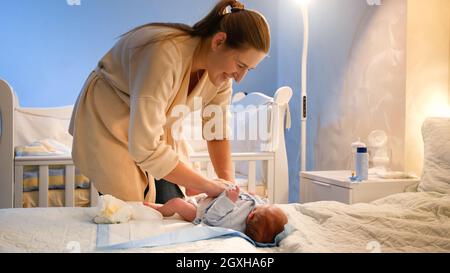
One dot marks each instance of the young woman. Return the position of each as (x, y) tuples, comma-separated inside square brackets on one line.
[(121, 123)]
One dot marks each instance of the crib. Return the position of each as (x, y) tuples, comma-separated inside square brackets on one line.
[(15, 122)]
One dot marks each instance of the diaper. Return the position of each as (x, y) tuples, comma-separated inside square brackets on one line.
[(196, 199)]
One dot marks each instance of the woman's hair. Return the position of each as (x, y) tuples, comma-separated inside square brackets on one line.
[(244, 28)]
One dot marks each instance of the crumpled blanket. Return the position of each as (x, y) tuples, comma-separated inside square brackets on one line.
[(42, 147)]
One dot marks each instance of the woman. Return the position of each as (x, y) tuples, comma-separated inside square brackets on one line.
[(121, 123)]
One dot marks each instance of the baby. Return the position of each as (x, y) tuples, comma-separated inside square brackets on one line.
[(231, 209)]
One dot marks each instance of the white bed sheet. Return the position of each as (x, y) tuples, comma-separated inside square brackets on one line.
[(405, 222)]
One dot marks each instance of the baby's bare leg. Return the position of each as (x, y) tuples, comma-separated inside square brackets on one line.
[(177, 205)]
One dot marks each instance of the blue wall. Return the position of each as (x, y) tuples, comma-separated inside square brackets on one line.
[(289, 70), (49, 47)]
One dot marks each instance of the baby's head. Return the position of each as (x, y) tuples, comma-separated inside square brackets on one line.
[(264, 222)]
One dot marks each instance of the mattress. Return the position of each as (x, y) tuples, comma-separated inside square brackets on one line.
[(405, 222)]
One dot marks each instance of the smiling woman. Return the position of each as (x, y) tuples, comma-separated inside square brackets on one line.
[(121, 121)]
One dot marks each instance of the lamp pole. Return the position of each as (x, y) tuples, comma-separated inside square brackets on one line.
[(303, 108)]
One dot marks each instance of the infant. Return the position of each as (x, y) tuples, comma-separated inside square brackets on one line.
[(231, 209)]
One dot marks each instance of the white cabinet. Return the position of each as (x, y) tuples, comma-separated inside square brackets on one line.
[(336, 186)]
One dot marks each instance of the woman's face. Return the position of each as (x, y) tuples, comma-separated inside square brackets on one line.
[(225, 63)]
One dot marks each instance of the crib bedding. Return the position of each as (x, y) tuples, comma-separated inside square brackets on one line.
[(405, 222), (56, 195), (56, 178), (56, 198)]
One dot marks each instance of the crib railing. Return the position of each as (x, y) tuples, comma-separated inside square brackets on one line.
[(43, 163), (251, 158)]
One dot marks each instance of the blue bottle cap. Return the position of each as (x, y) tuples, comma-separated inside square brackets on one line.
[(361, 150)]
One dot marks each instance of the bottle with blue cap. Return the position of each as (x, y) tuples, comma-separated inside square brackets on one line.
[(362, 164), (355, 145)]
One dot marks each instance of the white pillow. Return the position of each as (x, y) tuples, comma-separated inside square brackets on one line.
[(436, 167)]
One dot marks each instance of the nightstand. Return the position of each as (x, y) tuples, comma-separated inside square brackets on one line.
[(336, 186)]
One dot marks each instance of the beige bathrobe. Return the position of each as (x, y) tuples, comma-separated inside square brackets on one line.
[(122, 120)]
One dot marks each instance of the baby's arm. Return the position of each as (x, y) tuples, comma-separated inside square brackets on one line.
[(176, 205)]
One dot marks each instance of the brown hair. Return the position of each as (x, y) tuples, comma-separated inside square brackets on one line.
[(244, 28), (266, 224)]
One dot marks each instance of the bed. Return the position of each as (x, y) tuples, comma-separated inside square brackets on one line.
[(404, 222), (55, 181), (416, 221)]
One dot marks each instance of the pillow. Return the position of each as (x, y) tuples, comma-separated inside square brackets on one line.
[(436, 167)]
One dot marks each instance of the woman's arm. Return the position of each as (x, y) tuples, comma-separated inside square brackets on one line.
[(220, 154), (185, 176)]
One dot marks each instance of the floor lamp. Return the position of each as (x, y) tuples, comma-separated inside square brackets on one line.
[(303, 110)]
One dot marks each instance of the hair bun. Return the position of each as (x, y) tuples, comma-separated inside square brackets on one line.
[(237, 6)]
